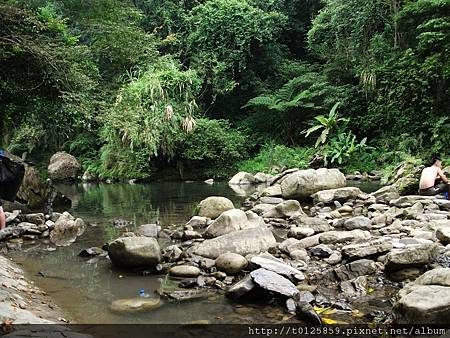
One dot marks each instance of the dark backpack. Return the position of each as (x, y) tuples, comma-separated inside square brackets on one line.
[(11, 176)]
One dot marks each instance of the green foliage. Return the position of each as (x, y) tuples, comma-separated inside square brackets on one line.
[(274, 158), (213, 147), (222, 35), (343, 147)]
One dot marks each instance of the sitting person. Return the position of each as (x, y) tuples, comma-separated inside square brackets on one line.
[(431, 176)]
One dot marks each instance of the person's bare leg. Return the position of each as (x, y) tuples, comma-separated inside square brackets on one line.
[(2, 219)]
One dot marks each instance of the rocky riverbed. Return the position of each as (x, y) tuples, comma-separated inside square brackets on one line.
[(304, 241)]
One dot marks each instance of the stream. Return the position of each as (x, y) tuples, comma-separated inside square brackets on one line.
[(84, 288)]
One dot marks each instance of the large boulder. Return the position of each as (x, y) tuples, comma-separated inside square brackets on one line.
[(303, 183), (406, 178), (340, 194), (243, 242), (130, 252), (213, 206), (426, 300), (63, 166), (243, 178), (229, 221), (66, 230), (411, 256)]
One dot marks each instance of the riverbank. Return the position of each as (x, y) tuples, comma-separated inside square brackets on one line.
[(21, 302)]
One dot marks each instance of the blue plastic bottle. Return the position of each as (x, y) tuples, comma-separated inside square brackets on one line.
[(143, 294), (446, 195)]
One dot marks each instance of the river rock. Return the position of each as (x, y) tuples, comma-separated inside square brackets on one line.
[(243, 178), (292, 244), (198, 222), (289, 208), (231, 263), (137, 304), (37, 218), (148, 230), (358, 222), (239, 289), (443, 234), (305, 311), (262, 208), (130, 252), (315, 223), (261, 177), (212, 207), (63, 166), (172, 253), (300, 233), (304, 183), (67, 229), (229, 221), (243, 242), (273, 264), (331, 237), (405, 274), (411, 256), (355, 287), (184, 271), (274, 190), (356, 268), (340, 194), (273, 282), (426, 300), (377, 246), (253, 220)]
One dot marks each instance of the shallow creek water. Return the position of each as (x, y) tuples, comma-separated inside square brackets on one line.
[(85, 290)]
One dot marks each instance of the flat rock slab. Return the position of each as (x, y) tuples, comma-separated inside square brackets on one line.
[(243, 242), (369, 248), (244, 286), (272, 281), (136, 304), (278, 267)]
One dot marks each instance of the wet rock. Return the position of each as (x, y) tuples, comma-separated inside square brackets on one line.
[(304, 183), (443, 234), (67, 229), (242, 242), (331, 237), (134, 252), (212, 207), (411, 256), (315, 223), (241, 288), (356, 287), (273, 264), (358, 222), (187, 295), (93, 251), (137, 304), (340, 194), (198, 222), (231, 263), (355, 269), (229, 221), (243, 178), (63, 166), (184, 271), (171, 253), (273, 282), (405, 274), (321, 251), (306, 312), (369, 248), (426, 300)]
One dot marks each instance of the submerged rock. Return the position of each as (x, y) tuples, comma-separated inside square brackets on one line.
[(137, 304), (243, 242), (132, 252)]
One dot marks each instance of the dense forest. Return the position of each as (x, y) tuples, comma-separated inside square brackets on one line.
[(202, 88)]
